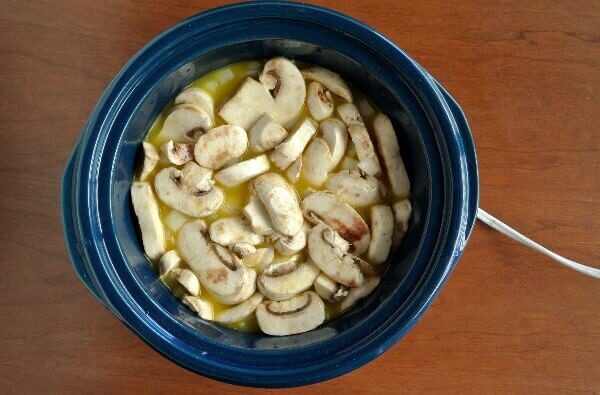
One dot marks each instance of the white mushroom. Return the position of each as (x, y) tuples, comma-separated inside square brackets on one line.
[(370, 165), (241, 311), (365, 108), (329, 255), (281, 202), (183, 123), (322, 206), (289, 90), (402, 211), (178, 153), (331, 80), (285, 279), (382, 229), (260, 259), (293, 171), (242, 250), (317, 162), (220, 145), (335, 135), (328, 289), (266, 134), (288, 151), (358, 293), (188, 280), (390, 152), (146, 210), (243, 171), (354, 188), (250, 102), (349, 163), (299, 314), (151, 158), (200, 306), (349, 114), (198, 97), (319, 102), (364, 146), (189, 190), (288, 245), (169, 261), (258, 216), (175, 220), (232, 230)]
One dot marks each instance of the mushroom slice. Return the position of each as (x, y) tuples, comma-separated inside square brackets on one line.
[(402, 211), (349, 163), (293, 172), (266, 134), (331, 259), (242, 250), (382, 229), (364, 146), (281, 202), (288, 245), (260, 259), (320, 103), (358, 293), (328, 289), (250, 102), (288, 151), (175, 220), (178, 153), (220, 273), (151, 158), (258, 216), (289, 90), (390, 152), (370, 165), (365, 108), (285, 279), (198, 97), (322, 206), (189, 190), (169, 261), (331, 80), (241, 311), (299, 314), (183, 123), (232, 230), (335, 135), (349, 114), (354, 188), (200, 306), (220, 145), (188, 280), (243, 171), (146, 210), (317, 162)]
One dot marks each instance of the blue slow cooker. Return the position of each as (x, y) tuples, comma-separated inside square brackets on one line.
[(100, 226)]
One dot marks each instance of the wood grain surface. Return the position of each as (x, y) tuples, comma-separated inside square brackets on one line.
[(527, 74)]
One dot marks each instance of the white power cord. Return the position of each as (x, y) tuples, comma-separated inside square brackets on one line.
[(501, 227)]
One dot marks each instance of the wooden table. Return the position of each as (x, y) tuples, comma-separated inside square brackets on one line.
[(527, 74)]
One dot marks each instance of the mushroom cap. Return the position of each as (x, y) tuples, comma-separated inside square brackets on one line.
[(355, 189), (382, 229), (147, 212), (317, 162), (182, 123), (220, 145), (289, 90), (390, 153), (335, 135), (240, 311), (281, 202), (301, 313), (319, 102), (331, 80), (178, 153), (233, 230), (282, 280)]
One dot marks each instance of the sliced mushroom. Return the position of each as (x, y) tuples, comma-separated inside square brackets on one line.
[(198, 97), (200, 306), (232, 230), (281, 202), (250, 102), (354, 188), (329, 255), (289, 90), (331, 80), (390, 152), (293, 171), (175, 220), (260, 259), (146, 210), (322, 206), (184, 121), (243, 171), (382, 229), (328, 289), (365, 108), (241, 311), (317, 162), (169, 261), (285, 279), (349, 163), (288, 245), (370, 165), (178, 153), (242, 250), (189, 190), (229, 281), (188, 280), (358, 293), (258, 216), (151, 158), (319, 102), (364, 146), (349, 114), (266, 134), (220, 145), (335, 135), (299, 314), (288, 151), (402, 211)]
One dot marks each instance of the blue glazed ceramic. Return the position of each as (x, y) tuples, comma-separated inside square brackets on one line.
[(100, 226)]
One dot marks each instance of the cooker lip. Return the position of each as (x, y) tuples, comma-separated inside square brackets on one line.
[(465, 204)]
